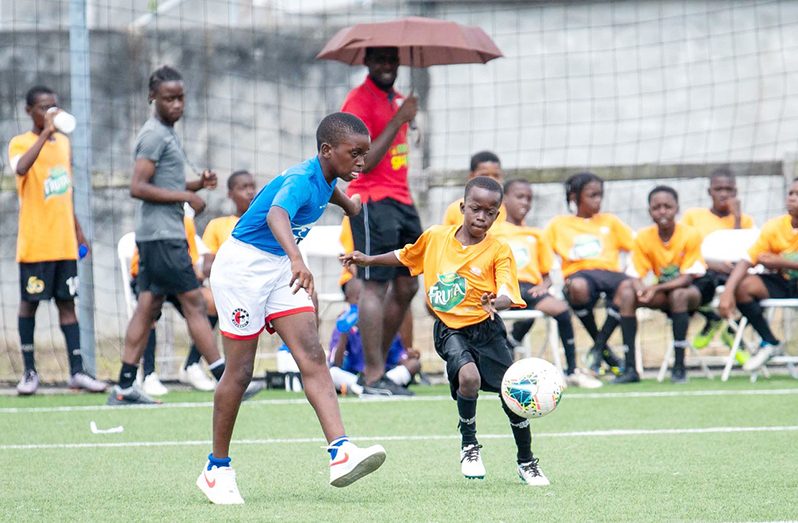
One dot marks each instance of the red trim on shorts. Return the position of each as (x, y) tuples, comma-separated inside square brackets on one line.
[(240, 337), (289, 312)]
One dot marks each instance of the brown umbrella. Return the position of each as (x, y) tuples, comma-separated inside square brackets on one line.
[(422, 42)]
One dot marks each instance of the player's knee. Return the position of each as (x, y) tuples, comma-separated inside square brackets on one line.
[(678, 299), (469, 381), (578, 291), (405, 290)]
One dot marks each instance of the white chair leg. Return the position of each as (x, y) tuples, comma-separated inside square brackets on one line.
[(707, 372), (553, 335), (663, 368), (739, 328)]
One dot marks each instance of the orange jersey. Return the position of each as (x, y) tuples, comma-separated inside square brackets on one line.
[(217, 231), (453, 216), (348, 243), (589, 243), (193, 251), (456, 276), (46, 214), (533, 256), (681, 255), (777, 237), (705, 221)]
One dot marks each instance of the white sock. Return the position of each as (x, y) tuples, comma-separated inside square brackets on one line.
[(216, 363), (399, 375)]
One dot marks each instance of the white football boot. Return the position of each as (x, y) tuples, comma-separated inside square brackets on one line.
[(219, 485), (471, 462), (352, 463)]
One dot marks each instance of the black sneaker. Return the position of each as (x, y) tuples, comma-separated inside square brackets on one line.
[(679, 375), (374, 389), (130, 396), (615, 365), (629, 376), (396, 390)]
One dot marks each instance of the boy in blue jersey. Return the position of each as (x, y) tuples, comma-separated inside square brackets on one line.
[(259, 280)]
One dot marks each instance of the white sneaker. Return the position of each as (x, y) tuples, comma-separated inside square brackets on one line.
[(582, 380), (471, 462), (531, 474), (196, 377), (762, 356), (352, 463), (219, 485), (152, 385)]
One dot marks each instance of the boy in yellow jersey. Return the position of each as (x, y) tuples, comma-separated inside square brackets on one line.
[(725, 213), (533, 258), (483, 163), (672, 252), (48, 236), (777, 250), (469, 275), (589, 244)]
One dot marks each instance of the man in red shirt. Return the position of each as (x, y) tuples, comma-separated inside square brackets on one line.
[(389, 219)]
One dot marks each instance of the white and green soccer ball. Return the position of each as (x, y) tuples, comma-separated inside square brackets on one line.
[(532, 387)]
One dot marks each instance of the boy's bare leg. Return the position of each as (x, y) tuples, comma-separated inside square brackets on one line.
[(230, 389), (196, 315)]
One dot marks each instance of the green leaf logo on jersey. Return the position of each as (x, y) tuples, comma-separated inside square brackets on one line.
[(791, 274), (57, 183), (668, 273), (448, 292)]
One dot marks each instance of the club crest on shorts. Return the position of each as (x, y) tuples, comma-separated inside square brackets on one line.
[(240, 318)]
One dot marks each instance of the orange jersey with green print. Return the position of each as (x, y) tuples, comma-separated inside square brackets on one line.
[(533, 256), (589, 243), (777, 237), (680, 255), (46, 214), (217, 231), (705, 221), (193, 251), (456, 276), (453, 216)]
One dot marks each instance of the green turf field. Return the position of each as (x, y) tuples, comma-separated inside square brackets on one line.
[(706, 451)]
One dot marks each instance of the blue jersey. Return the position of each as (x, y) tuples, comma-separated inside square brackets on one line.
[(304, 194)]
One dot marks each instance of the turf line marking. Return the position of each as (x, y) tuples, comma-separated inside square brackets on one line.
[(431, 437), (354, 401)]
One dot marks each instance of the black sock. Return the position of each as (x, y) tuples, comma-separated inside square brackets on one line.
[(194, 354), (610, 324), (588, 320), (520, 328), (753, 312), (680, 322), (217, 368), (26, 328), (629, 332), (467, 409), (566, 330), (127, 375), (72, 336), (521, 434), (148, 360), (709, 314)]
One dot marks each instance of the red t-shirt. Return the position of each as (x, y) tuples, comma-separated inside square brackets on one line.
[(388, 179)]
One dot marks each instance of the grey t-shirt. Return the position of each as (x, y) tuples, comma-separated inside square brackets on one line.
[(161, 221)]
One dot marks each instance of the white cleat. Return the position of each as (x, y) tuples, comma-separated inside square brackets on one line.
[(762, 356), (152, 385), (471, 462), (219, 485), (531, 474), (196, 377), (581, 379), (352, 463)]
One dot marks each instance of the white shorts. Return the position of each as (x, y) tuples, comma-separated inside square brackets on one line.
[(250, 288)]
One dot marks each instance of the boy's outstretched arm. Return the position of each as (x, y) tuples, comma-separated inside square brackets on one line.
[(493, 304), (280, 225), (389, 259), (351, 206)]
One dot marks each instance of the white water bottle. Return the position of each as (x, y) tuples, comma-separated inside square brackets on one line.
[(63, 121)]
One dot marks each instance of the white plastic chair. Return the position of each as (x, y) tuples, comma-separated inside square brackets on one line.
[(323, 241), (552, 333)]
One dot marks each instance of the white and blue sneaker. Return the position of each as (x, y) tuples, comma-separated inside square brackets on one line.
[(219, 485), (763, 355), (349, 463), (471, 462)]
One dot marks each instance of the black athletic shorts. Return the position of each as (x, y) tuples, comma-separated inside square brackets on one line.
[(484, 344), (171, 298), (384, 226), (46, 280), (599, 281), (706, 285), (719, 277), (779, 288), (531, 301), (165, 267)]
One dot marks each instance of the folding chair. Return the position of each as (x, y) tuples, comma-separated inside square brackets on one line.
[(552, 333), (323, 241)]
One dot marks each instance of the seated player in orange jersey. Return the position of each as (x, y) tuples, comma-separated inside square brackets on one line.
[(483, 163), (533, 259), (589, 243)]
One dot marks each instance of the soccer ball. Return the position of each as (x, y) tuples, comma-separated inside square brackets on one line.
[(532, 387)]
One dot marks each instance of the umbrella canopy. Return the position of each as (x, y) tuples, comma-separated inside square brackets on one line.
[(422, 42)]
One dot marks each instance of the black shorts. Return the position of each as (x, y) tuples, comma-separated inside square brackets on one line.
[(531, 301), (484, 344), (779, 288), (706, 285), (46, 280), (171, 298), (165, 267), (384, 226), (719, 277), (599, 281)]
